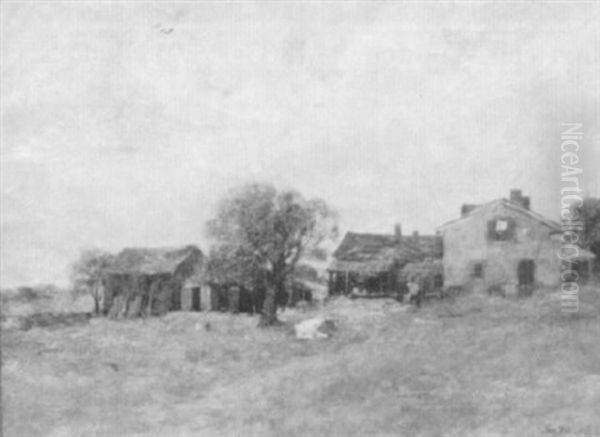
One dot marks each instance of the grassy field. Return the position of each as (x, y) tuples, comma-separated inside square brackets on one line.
[(477, 366)]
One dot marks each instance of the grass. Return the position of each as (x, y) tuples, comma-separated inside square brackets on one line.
[(477, 366)]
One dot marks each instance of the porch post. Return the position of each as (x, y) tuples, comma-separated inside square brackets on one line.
[(347, 282)]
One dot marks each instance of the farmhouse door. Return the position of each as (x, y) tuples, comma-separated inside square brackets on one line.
[(196, 299), (526, 272)]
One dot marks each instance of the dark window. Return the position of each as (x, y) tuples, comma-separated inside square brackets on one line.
[(526, 272), (196, 299), (478, 270), (438, 281), (501, 229)]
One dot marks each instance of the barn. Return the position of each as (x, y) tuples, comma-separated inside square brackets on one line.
[(503, 245), (148, 281)]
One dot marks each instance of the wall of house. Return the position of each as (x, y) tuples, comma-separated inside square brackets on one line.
[(208, 298), (464, 246), (131, 295), (185, 270), (466, 243)]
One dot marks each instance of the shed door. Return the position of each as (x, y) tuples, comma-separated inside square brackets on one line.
[(526, 272), (196, 299)]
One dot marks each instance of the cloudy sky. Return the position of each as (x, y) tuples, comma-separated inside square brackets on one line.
[(124, 123)]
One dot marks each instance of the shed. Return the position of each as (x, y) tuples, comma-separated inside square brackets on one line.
[(148, 281)]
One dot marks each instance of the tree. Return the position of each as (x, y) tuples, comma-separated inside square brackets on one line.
[(87, 272), (266, 233), (589, 214)]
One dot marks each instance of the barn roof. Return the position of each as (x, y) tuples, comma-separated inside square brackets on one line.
[(152, 261), (381, 252)]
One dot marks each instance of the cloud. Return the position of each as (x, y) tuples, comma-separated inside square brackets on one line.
[(116, 134)]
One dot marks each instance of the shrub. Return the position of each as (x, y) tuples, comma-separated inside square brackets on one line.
[(27, 294)]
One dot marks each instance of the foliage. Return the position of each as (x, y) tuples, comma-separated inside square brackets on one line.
[(589, 214), (231, 264), (261, 232), (87, 273)]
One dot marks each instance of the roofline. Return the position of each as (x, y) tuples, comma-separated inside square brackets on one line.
[(531, 214), (405, 239), (373, 234)]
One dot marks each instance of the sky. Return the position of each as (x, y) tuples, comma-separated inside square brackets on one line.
[(124, 123)]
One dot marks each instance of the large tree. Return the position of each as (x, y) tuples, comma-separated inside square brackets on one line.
[(87, 273), (266, 232)]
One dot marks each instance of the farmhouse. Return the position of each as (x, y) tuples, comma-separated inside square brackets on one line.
[(370, 264), (503, 245), (148, 281)]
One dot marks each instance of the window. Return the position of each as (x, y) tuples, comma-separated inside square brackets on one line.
[(501, 229), (501, 225), (478, 270)]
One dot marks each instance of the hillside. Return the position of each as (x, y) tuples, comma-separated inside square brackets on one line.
[(477, 366)]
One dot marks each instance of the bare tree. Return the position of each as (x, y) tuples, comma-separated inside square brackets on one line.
[(270, 231), (87, 272)]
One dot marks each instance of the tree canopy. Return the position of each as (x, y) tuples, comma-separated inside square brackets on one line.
[(589, 214), (260, 231), (87, 271)]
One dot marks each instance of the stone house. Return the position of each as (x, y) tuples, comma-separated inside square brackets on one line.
[(503, 245)]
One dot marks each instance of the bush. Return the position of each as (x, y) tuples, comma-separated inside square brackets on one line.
[(29, 294), (48, 320), (26, 294), (452, 292)]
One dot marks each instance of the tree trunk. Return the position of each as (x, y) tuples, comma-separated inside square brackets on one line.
[(96, 297), (269, 312), (268, 316)]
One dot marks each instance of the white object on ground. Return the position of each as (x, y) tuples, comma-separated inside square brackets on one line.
[(312, 329)]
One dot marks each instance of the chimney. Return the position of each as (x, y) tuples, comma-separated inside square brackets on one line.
[(398, 232), (517, 197), (415, 234), (466, 208)]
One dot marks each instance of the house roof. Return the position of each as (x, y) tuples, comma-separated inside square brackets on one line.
[(364, 253), (359, 247), (430, 245), (423, 269), (370, 266), (380, 252), (508, 204), (152, 261)]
